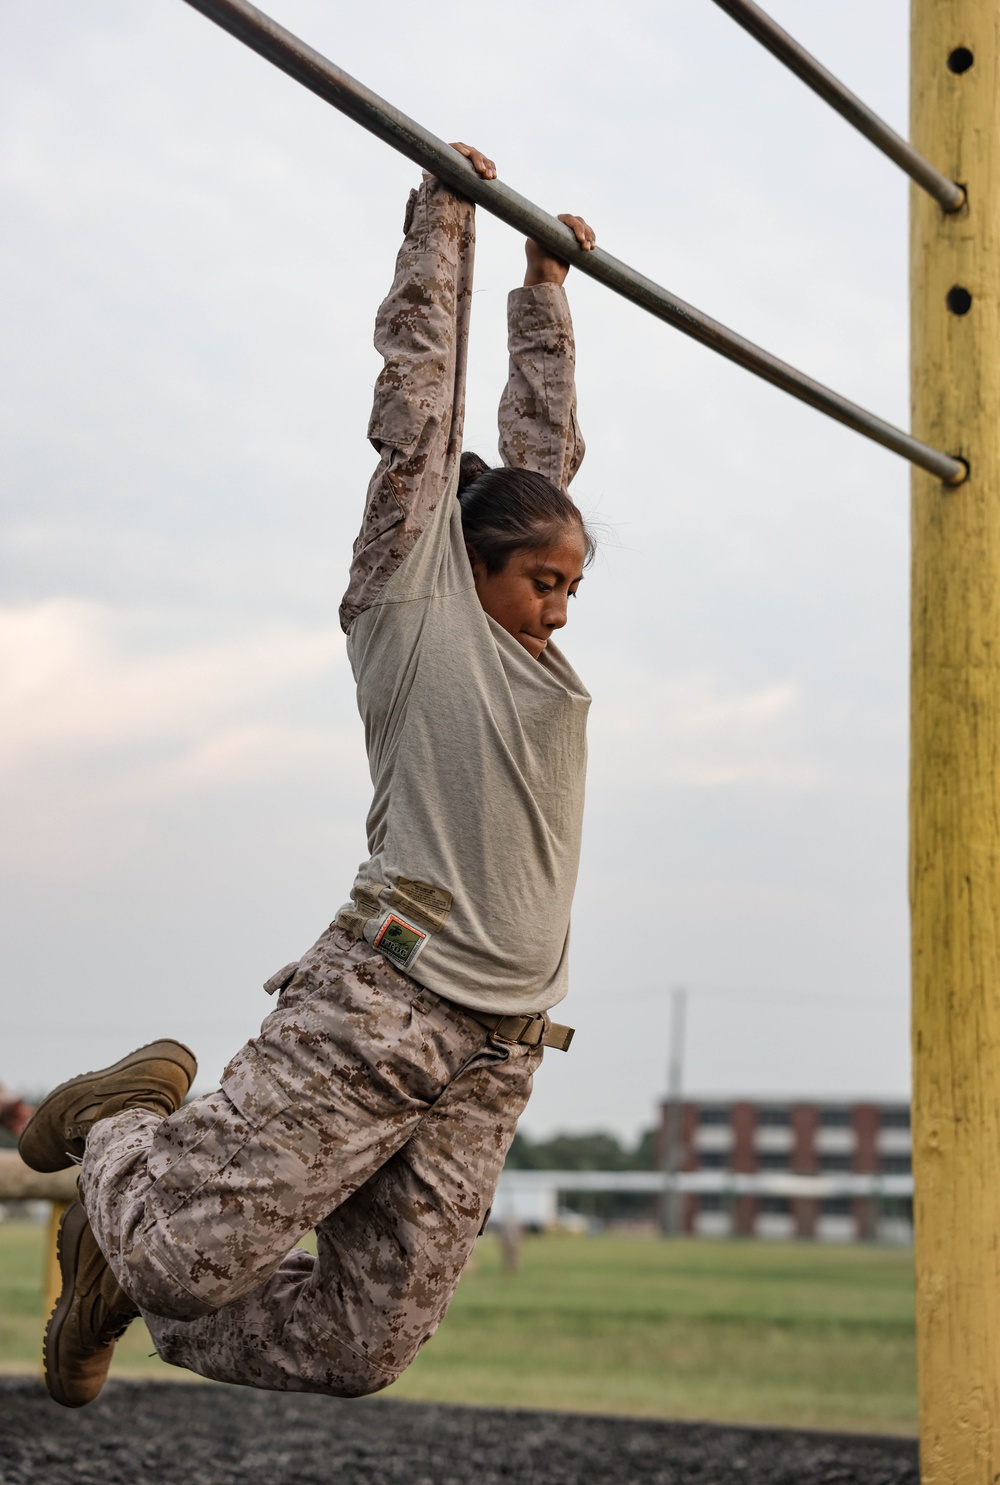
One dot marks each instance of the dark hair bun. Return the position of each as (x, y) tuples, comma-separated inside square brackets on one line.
[(469, 469), (512, 509)]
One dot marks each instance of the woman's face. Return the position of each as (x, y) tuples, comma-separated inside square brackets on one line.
[(529, 596)]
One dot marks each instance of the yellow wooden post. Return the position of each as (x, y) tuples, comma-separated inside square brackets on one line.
[(51, 1279), (955, 746)]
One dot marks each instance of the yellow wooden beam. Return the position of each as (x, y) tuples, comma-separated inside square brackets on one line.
[(18, 1182), (955, 746), (51, 1276)]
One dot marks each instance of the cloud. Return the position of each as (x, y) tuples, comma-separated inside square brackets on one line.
[(701, 730), (74, 680), (109, 726), (186, 377)]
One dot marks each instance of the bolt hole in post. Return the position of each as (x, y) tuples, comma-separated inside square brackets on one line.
[(959, 300)]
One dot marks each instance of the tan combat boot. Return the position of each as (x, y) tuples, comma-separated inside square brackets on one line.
[(91, 1314), (156, 1077)]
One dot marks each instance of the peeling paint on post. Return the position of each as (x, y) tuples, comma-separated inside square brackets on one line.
[(955, 747)]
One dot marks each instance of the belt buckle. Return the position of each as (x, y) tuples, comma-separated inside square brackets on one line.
[(511, 1041), (526, 1024)]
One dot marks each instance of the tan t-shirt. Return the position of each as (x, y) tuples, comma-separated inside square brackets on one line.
[(478, 754)]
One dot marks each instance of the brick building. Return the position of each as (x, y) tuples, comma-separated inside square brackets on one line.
[(747, 1137)]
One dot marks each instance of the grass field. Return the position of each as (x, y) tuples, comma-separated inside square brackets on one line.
[(745, 1332)]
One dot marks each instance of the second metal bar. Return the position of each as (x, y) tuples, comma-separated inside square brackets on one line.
[(762, 28), (338, 88)]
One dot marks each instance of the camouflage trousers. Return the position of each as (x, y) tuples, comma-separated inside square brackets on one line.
[(368, 1109)]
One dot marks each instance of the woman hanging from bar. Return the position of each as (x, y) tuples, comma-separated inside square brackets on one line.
[(379, 1100)]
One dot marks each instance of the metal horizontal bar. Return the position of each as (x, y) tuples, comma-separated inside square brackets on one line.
[(336, 87), (762, 28)]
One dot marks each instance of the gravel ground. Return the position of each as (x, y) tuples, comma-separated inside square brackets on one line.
[(159, 1433)]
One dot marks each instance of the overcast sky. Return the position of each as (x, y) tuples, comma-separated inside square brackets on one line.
[(193, 249)]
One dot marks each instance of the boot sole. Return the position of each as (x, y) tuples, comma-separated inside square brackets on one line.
[(71, 1230), (33, 1144)]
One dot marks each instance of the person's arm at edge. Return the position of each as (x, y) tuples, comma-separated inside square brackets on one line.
[(421, 331), (537, 417)]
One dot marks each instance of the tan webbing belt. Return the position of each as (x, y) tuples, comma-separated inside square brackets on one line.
[(528, 1031)]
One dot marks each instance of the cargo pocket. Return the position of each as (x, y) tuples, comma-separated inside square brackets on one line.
[(207, 1136), (250, 1086)]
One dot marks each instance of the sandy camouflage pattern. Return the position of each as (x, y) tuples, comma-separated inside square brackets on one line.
[(369, 1109), (537, 416), (422, 332)]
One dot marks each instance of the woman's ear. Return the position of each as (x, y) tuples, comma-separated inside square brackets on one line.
[(479, 573)]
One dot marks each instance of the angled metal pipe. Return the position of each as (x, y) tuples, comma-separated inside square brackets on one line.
[(336, 87), (762, 28)]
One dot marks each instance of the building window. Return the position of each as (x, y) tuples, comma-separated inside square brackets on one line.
[(834, 1160), (713, 1114), (896, 1165), (897, 1118), (835, 1116), (780, 1205), (710, 1201), (713, 1159), (774, 1117), (836, 1206), (772, 1159)]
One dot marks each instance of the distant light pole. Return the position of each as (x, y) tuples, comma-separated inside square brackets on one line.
[(670, 1206)]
